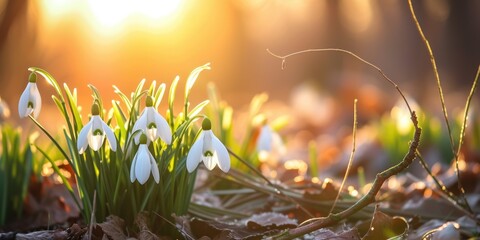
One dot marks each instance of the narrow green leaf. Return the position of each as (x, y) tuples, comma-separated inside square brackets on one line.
[(198, 109), (72, 102), (139, 88), (159, 95), (124, 97), (171, 97), (193, 77)]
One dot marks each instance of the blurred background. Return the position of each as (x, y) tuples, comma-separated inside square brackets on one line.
[(120, 42)]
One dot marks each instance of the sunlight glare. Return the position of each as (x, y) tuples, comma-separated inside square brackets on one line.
[(113, 12)]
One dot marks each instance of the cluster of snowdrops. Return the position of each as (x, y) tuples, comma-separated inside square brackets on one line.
[(105, 176)]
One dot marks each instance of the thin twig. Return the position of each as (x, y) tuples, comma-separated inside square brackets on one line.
[(465, 115), (451, 200), (442, 101), (350, 160), (437, 182), (379, 179), (352, 154), (284, 58), (366, 199)]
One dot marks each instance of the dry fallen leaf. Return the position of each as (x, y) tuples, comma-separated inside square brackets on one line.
[(255, 227), (448, 231), (43, 235), (270, 220), (145, 232), (386, 227), (428, 207), (113, 228), (323, 233)]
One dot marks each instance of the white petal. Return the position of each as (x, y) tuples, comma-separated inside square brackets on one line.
[(155, 173), (132, 169), (210, 162), (82, 140), (223, 158), (23, 109), (207, 141), (150, 112), (96, 141), (195, 154), (151, 134), (208, 156), (141, 123), (143, 166), (264, 141), (37, 100), (163, 129), (110, 136)]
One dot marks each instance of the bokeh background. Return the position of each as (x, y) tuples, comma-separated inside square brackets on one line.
[(120, 42)]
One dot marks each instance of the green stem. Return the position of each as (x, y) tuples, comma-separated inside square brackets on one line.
[(50, 137)]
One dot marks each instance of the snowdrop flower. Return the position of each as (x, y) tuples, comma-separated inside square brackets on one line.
[(30, 100), (94, 132), (208, 149), (143, 163), (269, 142), (152, 124)]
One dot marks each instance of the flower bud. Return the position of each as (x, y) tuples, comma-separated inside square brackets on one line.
[(32, 78), (206, 124), (95, 109)]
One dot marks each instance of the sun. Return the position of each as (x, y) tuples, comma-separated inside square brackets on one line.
[(114, 13)]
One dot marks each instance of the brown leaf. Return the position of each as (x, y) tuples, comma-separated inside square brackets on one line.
[(40, 235), (228, 230), (270, 220), (76, 232), (213, 229), (183, 225), (324, 233), (419, 232), (113, 228), (46, 202), (328, 192), (437, 229), (428, 207), (448, 231), (145, 233), (385, 227)]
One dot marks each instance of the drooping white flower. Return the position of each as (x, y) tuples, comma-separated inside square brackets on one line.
[(143, 164), (94, 132), (30, 100), (208, 149), (269, 142), (152, 124)]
